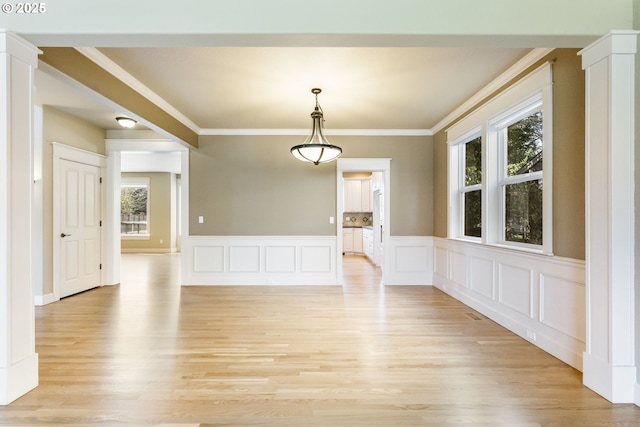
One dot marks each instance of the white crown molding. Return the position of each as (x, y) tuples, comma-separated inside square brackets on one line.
[(302, 132), (513, 71), (120, 73)]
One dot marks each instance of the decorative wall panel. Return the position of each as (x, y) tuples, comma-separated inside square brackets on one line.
[(316, 259), (249, 260), (280, 259), (410, 261), (208, 259), (562, 305), (244, 259), (514, 288), (482, 280), (458, 268)]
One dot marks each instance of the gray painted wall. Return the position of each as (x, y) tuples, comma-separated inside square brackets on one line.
[(253, 186)]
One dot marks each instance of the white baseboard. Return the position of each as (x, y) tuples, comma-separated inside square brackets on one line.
[(40, 300), (18, 379)]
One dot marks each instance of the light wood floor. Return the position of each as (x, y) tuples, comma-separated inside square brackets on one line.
[(148, 352)]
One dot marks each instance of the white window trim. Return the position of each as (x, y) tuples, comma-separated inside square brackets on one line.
[(139, 181), (456, 223), (525, 95)]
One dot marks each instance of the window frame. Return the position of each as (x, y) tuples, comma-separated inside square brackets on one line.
[(138, 182), (500, 127), (532, 93), (463, 188)]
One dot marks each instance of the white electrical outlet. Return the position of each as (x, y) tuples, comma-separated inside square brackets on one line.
[(201, 219), (331, 220), (161, 241)]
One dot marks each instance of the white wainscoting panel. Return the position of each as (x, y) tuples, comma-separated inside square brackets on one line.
[(483, 280), (410, 261), (441, 262), (317, 259), (539, 297), (244, 259), (208, 258), (458, 268), (514, 288), (259, 260), (561, 305), (280, 259)]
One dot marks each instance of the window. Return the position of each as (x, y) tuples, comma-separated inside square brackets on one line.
[(471, 190), (500, 168), (134, 208), (521, 183)]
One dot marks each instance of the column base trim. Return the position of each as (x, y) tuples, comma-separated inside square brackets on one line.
[(18, 379), (617, 384)]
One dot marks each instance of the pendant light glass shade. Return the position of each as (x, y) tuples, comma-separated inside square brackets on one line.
[(316, 149)]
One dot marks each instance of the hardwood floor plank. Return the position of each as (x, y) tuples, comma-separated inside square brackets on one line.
[(149, 353)]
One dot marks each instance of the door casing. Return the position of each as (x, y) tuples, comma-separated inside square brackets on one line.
[(363, 165)]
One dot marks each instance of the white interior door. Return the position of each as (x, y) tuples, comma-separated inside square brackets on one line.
[(79, 226)]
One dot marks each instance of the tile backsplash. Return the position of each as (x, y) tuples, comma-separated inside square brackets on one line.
[(357, 219)]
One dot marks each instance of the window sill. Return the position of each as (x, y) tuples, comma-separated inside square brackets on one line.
[(515, 247)]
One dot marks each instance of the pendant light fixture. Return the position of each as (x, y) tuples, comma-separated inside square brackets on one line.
[(316, 149)]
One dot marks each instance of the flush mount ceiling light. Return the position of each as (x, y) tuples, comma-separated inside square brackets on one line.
[(126, 122), (316, 149)]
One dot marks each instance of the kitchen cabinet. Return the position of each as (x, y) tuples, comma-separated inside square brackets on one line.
[(367, 242), (365, 195), (357, 240), (352, 240), (352, 195), (347, 240), (357, 195)]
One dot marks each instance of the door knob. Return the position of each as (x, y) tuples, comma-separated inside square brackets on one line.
[(64, 235)]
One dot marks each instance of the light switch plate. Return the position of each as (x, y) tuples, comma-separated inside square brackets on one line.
[(201, 219)]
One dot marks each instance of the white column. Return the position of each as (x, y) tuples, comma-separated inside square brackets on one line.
[(609, 364), (18, 359), (111, 229)]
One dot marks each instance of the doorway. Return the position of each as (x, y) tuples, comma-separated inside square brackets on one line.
[(165, 164), (381, 167)]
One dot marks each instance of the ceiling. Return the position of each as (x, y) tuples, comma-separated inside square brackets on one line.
[(239, 88)]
